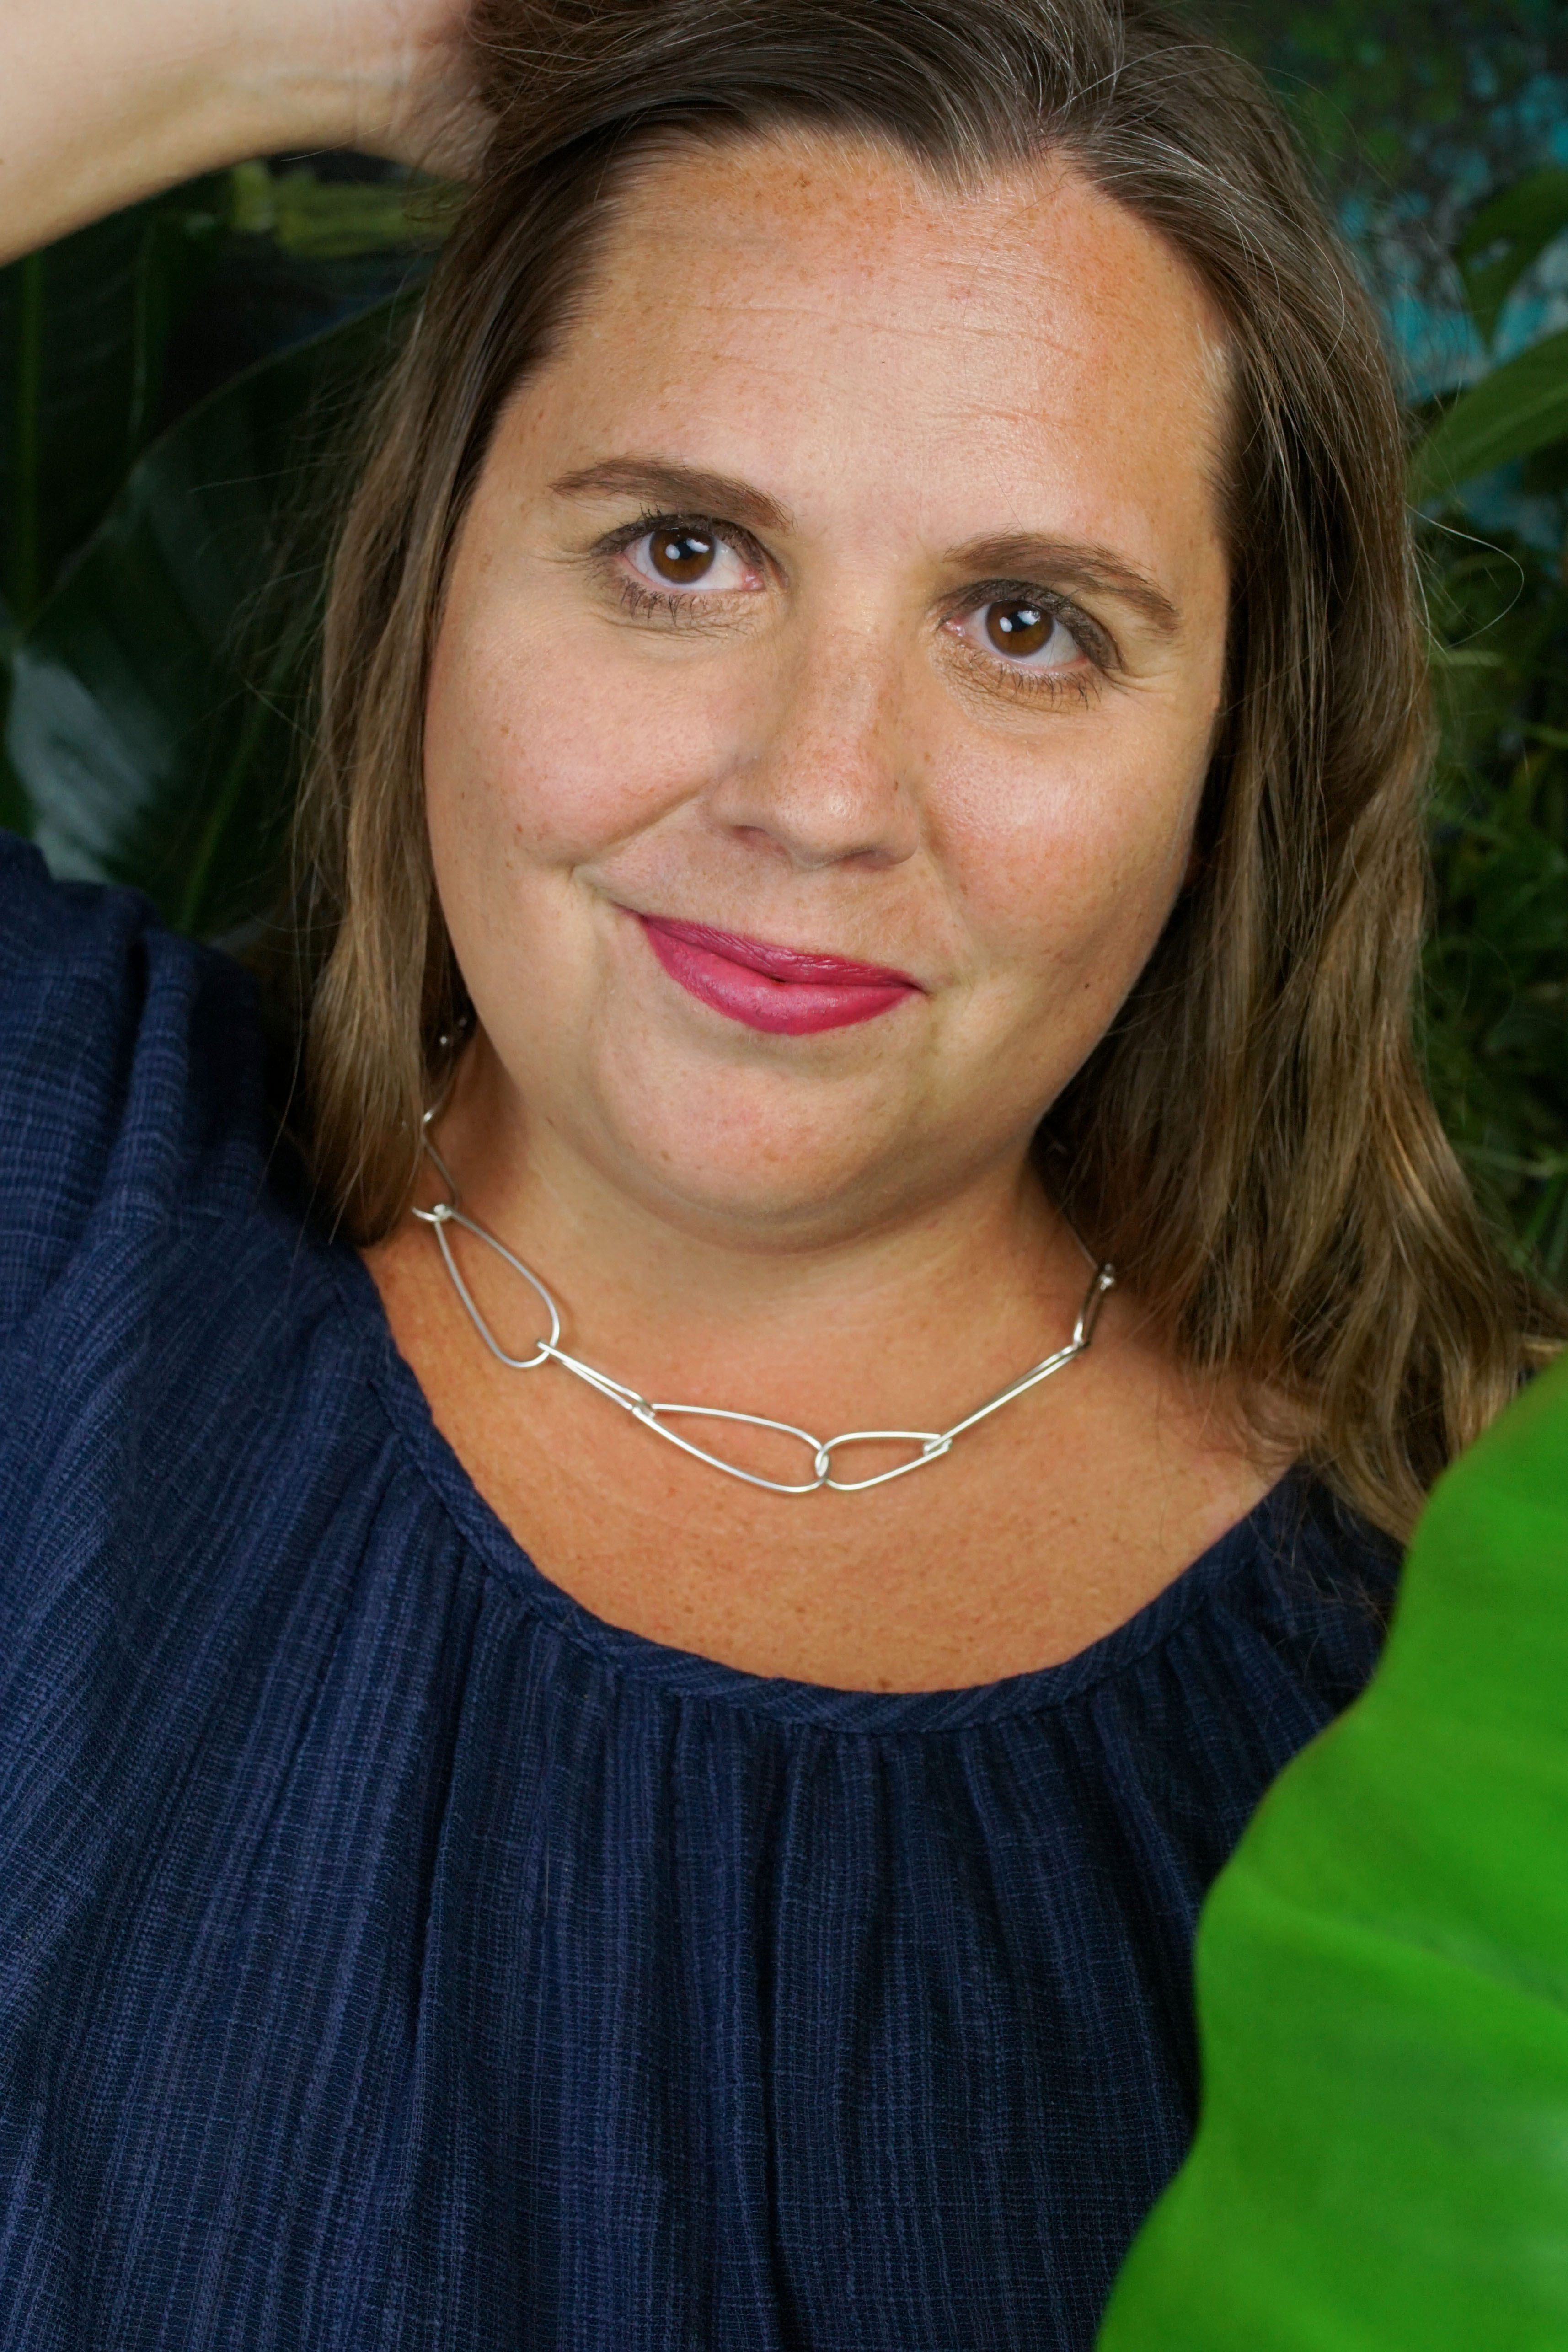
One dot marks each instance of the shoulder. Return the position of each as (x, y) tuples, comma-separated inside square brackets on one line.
[(1314, 1584), (130, 1074), (179, 1383)]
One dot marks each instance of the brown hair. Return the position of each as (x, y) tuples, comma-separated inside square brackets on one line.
[(1252, 1142)]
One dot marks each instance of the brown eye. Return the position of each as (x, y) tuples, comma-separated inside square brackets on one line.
[(1019, 629), (681, 557)]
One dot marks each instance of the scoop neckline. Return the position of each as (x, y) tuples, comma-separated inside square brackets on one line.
[(688, 1674)]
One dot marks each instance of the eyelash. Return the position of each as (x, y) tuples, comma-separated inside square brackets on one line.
[(1094, 643), (673, 605), (667, 603)]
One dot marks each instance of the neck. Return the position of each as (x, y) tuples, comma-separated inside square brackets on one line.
[(902, 1308)]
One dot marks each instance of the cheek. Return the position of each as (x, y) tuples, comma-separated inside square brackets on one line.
[(523, 762), (1069, 867), (543, 751)]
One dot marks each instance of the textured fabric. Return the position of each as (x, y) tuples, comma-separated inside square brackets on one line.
[(393, 1955)]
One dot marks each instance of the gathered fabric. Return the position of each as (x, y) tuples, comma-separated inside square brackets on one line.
[(393, 1953)]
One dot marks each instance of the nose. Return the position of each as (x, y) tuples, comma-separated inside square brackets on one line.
[(823, 780)]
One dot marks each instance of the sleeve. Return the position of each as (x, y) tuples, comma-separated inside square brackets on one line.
[(130, 1074)]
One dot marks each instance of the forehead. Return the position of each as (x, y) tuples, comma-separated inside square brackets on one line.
[(829, 308)]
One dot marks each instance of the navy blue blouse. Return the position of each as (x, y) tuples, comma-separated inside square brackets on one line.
[(393, 1955)]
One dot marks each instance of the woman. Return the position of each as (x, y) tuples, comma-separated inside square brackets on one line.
[(869, 761)]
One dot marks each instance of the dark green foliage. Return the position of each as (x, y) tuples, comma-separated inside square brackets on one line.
[(1518, 409), (161, 589), (1505, 237), (157, 700), (84, 333), (1498, 961), (1497, 1010), (1388, 95)]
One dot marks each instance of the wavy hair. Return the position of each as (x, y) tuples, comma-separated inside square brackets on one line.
[(1252, 1142)]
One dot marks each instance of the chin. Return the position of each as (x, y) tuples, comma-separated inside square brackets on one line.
[(757, 1159)]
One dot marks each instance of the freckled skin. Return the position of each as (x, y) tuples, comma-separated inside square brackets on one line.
[(904, 373), (825, 750)]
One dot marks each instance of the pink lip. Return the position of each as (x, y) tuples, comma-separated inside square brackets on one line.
[(777, 989)]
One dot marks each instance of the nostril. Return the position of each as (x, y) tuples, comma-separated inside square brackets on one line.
[(815, 828)]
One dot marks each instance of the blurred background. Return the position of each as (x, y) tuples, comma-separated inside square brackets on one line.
[(179, 384)]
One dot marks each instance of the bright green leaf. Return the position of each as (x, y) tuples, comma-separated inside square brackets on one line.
[(334, 220)]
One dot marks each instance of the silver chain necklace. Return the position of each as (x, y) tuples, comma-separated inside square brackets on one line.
[(933, 1443)]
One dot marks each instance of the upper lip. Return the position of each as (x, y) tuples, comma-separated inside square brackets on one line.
[(797, 964)]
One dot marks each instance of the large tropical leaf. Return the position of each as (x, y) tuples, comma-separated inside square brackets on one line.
[(85, 328), (84, 331), (97, 341), (157, 697), (1517, 409)]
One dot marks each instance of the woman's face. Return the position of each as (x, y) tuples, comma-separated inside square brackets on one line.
[(849, 584)]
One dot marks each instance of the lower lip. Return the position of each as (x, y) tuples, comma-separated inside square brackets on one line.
[(787, 1008)]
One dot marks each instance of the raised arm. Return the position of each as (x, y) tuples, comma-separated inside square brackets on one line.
[(102, 101)]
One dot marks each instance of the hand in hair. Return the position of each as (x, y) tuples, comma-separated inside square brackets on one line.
[(411, 72), (102, 101)]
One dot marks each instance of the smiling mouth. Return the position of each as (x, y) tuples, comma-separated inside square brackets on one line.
[(778, 988)]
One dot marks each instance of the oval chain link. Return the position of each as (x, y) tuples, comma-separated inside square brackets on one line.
[(932, 1444)]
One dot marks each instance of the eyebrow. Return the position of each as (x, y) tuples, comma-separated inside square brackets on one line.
[(684, 487), (1072, 565)]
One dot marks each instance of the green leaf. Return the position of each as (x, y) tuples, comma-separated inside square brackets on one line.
[(1495, 1035), (336, 220), (1381, 1977), (1505, 237), (84, 328), (157, 699), (1518, 408)]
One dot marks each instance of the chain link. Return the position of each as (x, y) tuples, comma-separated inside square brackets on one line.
[(932, 1444)]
